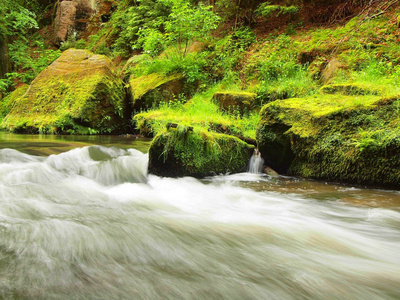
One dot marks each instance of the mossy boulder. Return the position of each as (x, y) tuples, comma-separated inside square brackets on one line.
[(78, 93), (149, 91), (182, 152), (8, 102), (235, 102), (352, 139)]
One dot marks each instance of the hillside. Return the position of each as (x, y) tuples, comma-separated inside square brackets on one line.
[(213, 65)]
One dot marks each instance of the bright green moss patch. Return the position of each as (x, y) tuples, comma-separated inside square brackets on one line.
[(351, 89), (141, 85), (8, 102), (235, 102), (188, 151), (200, 111)]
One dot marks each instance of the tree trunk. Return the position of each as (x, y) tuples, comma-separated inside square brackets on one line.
[(4, 57)]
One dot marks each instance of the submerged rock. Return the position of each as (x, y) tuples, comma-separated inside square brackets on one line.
[(150, 90), (77, 93), (235, 102), (182, 152), (333, 137)]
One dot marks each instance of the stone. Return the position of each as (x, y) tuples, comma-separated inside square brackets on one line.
[(72, 18), (330, 70), (191, 152), (64, 22), (149, 91), (235, 102), (270, 172), (335, 137), (80, 92), (350, 89)]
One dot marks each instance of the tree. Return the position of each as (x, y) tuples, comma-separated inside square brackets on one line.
[(15, 22), (185, 24)]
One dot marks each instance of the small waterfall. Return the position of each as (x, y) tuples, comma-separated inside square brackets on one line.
[(256, 163)]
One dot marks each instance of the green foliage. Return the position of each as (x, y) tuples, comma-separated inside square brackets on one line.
[(184, 25), (229, 54), (16, 20), (28, 60), (143, 15), (31, 59)]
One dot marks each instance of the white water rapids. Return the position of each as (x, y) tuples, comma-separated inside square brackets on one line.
[(91, 224)]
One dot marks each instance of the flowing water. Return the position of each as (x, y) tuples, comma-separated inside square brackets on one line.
[(90, 223)]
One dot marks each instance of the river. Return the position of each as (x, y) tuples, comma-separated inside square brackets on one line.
[(86, 221)]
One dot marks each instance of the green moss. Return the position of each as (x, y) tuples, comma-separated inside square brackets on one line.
[(235, 102), (200, 111), (8, 102), (340, 138), (185, 152), (351, 89)]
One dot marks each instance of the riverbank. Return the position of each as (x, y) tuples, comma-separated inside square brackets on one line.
[(319, 100)]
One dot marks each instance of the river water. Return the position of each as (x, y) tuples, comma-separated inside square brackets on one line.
[(80, 221)]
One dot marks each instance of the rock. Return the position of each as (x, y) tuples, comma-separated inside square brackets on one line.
[(270, 172), (330, 70), (352, 139), (71, 18), (350, 89), (8, 102), (150, 90), (64, 23), (78, 93), (181, 152), (235, 102)]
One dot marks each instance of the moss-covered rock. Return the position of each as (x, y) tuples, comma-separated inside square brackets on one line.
[(77, 93), (354, 139), (150, 90), (182, 152), (8, 102), (235, 102), (350, 89)]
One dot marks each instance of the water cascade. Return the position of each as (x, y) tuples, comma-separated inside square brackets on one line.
[(91, 224), (256, 164)]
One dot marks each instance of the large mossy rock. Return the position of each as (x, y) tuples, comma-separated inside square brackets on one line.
[(181, 152), (78, 93), (149, 91), (235, 102), (354, 139)]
